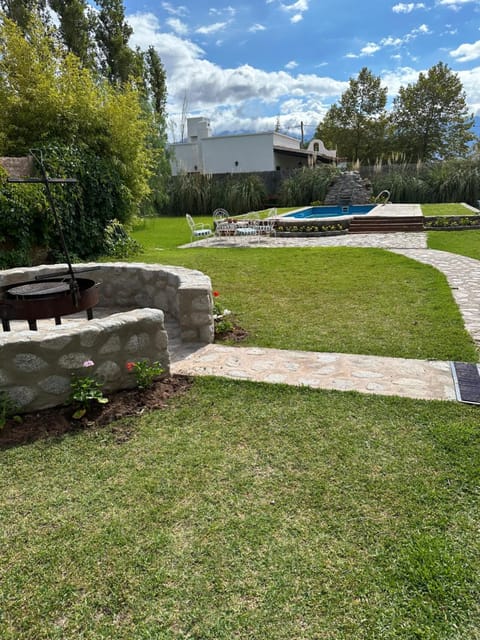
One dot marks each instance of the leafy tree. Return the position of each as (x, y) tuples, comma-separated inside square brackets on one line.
[(157, 81), (430, 117), (119, 62), (77, 25), (357, 126), (89, 129), (21, 11)]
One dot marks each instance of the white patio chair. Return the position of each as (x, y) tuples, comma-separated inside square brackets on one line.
[(224, 228), (219, 215), (265, 227), (198, 229)]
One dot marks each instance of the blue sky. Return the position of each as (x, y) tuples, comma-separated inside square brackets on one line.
[(247, 65)]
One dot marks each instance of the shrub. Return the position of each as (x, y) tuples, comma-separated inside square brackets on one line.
[(306, 185), (118, 244), (24, 221)]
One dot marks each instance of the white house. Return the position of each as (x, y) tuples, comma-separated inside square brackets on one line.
[(245, 153)]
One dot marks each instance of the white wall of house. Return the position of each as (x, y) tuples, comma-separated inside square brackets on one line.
[(254, 152), (238, 154)]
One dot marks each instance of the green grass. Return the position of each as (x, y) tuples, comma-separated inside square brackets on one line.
[(248, 511), (256, 511), (446, 209), (333, 299), (465, 243)]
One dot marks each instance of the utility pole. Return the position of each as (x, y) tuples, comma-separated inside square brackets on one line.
[(301, 127)]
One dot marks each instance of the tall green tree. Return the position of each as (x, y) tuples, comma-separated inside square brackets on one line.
[(77, 27), (357, 125), (48, 97), (157, 81), (20, 11), (118, 61), (430, 117)]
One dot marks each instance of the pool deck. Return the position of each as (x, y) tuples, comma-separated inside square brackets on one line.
[(393, 210)]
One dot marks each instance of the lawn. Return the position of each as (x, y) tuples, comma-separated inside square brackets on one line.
[(248, 511), (334, 299), (465, 243), (446, 209), (257, 511)]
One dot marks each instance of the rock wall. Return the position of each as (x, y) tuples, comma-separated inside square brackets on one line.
[(36, 366), (349, 188)]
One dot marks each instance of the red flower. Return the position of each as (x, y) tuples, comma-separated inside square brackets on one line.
[(130, 365), (215, 294)]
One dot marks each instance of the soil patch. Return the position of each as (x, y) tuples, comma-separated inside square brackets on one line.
[(55, 422), (235, 334)]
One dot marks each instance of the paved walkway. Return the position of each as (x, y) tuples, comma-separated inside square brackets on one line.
[(423, 379)]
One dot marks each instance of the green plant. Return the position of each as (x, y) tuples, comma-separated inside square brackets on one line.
[(118, 244), (306, 185), (221, 317), (84, 390), (145, 372)]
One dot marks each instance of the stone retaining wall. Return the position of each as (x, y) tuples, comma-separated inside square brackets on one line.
[(36, 366)]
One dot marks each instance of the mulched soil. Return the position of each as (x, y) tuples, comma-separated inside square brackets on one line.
[(55, 422), (236, 334)]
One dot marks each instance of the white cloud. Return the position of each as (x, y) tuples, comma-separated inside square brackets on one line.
[(403, 7), (455, 5), (297, 8), (369, 49), (372, 47), (175, 11), (257, 27), (300, 5), (471, 84), (291, 65), (178, 26), (467, 52), (212, 28)]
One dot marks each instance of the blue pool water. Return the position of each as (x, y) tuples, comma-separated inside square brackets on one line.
[(331, 212)]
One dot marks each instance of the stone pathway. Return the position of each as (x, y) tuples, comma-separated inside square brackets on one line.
[(423, 379), (366, 374), (378, 240)]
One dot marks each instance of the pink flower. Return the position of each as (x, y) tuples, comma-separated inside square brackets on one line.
[(88, 363)]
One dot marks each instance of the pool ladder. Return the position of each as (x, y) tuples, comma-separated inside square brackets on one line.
[(384, 192)]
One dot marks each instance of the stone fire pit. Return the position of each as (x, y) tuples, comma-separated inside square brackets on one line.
[(135, 300)]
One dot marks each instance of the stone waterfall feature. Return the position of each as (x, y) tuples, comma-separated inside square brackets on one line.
[(349, 188)]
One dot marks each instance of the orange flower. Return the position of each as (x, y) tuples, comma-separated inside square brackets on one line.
[(130, 365)]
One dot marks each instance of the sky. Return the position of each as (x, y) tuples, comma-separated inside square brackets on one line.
[(255, 65)]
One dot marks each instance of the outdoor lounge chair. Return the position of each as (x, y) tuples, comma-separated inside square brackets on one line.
[(198, 229)]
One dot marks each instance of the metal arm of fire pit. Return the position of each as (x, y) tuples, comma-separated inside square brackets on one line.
[(47, 181)]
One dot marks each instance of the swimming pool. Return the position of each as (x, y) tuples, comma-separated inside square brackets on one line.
[(330, 211)]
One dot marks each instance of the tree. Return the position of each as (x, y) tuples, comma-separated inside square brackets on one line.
[(119, 62), (20, 11), (157, 81), (77, 25), (430, 117), (97, 132), (356, 126)]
